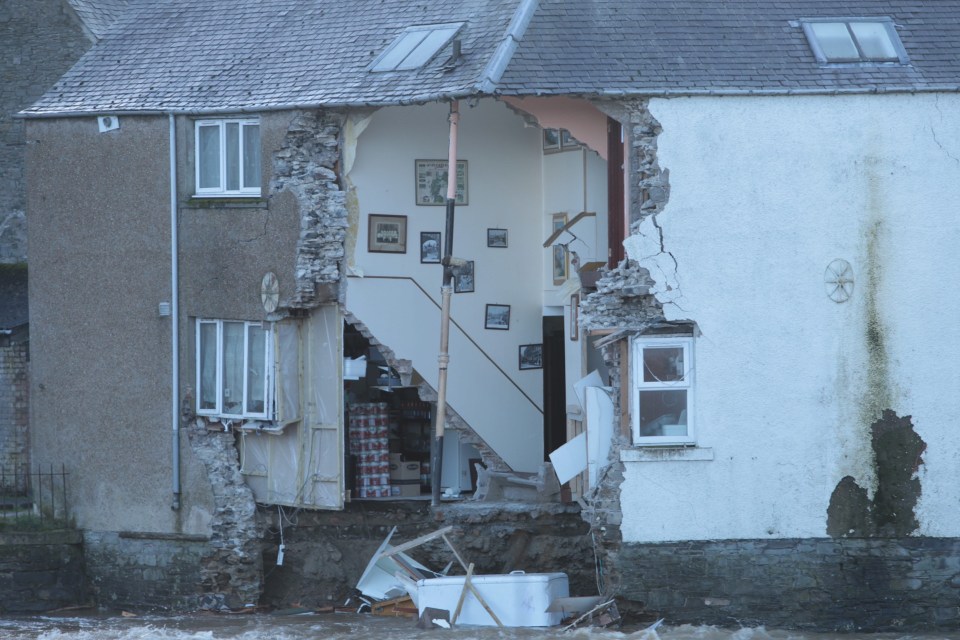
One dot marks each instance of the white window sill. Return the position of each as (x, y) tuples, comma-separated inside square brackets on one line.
[(662, 454)]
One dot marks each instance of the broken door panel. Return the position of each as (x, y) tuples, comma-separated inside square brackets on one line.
[(323, 480)]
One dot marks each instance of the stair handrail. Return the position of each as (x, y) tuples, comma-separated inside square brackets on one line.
[(462, 330)]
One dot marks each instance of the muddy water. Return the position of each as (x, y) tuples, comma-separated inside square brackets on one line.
[(353, 627)]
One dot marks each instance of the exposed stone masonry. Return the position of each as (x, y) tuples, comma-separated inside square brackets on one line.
[(622, 304), (231, 570), (307, 166)]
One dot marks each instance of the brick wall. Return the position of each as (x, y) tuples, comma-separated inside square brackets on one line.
[(39, 41), (14, 395)]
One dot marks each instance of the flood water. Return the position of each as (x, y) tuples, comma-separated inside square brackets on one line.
[(364, 627)]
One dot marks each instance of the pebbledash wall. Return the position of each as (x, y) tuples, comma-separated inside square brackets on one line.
[(821, 491)]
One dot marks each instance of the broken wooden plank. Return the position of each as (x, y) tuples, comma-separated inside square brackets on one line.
[(463, 595), (416, 542)]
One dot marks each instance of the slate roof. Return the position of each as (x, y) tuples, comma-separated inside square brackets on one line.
[(234, 55), (229, 55), (653, 47), (98, 15)]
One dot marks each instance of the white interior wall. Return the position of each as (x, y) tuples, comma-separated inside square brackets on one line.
[(765, 192), (504, 191)]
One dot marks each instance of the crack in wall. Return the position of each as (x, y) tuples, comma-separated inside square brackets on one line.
[(933, 132)]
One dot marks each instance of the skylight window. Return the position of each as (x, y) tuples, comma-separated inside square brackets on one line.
[(854, 40), (415, 47)]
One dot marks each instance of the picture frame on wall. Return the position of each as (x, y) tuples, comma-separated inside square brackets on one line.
[(551, 140), (568, 142), (497, 317), (497, 238), (386, 233), (560, 259), (531, 356), (430, 247), (431, 183), (464, 278)]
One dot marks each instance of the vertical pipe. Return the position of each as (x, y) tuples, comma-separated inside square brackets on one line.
[(443, 359), (174, 317)]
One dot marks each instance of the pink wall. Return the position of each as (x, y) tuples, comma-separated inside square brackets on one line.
[(580, 118)]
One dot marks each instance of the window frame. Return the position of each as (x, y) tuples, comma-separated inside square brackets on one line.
[(900, 54), (268, 364), (222, 191), (428, 30), (637, 384)]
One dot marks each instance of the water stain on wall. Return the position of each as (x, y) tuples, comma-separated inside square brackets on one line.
[(898, 454)]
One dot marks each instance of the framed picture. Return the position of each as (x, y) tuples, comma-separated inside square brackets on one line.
[(561, 260), (387, 234), (463, 278), (551, 140), (567, 141), (574, 317), (430, 247), (497, 238), (531, 356), (497, 317), (432, 182)]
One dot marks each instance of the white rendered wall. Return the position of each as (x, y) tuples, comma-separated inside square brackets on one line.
[(765, 192), (504, 191)]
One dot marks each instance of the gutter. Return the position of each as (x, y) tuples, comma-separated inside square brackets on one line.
[(174, 318), (486, 88), (508, 46)]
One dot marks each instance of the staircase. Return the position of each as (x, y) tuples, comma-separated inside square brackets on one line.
[(406, 318)]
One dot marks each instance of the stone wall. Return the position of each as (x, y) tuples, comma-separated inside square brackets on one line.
[(39, 41), (14, 409), (817, 584), (326, 552), (41, 571), (231, 566), (306, 165), (145, 571)]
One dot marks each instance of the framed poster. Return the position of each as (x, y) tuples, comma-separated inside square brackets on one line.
[(387, 234), (531, 356), (560, 259), (463, 278), (431, 187), (497, 238), (430, 247), (497, 317)]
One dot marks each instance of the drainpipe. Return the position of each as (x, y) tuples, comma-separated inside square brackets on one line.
[(174, 317), (436, 464)]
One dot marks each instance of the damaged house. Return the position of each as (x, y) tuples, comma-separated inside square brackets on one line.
[(699, 242)]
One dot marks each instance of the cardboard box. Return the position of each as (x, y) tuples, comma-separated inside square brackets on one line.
[(409, 490), (396, 458), (405, 471)]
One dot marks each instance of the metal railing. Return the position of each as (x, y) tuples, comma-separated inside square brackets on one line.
[(34, 497)]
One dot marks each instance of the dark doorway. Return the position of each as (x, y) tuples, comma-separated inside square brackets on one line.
[(554, 385), (615, 184)]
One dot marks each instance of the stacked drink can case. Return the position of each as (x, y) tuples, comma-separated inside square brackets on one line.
[(369, 436)]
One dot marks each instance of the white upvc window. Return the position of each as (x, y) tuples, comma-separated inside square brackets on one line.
[(228, 157), (661, 403), (234, 369)]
